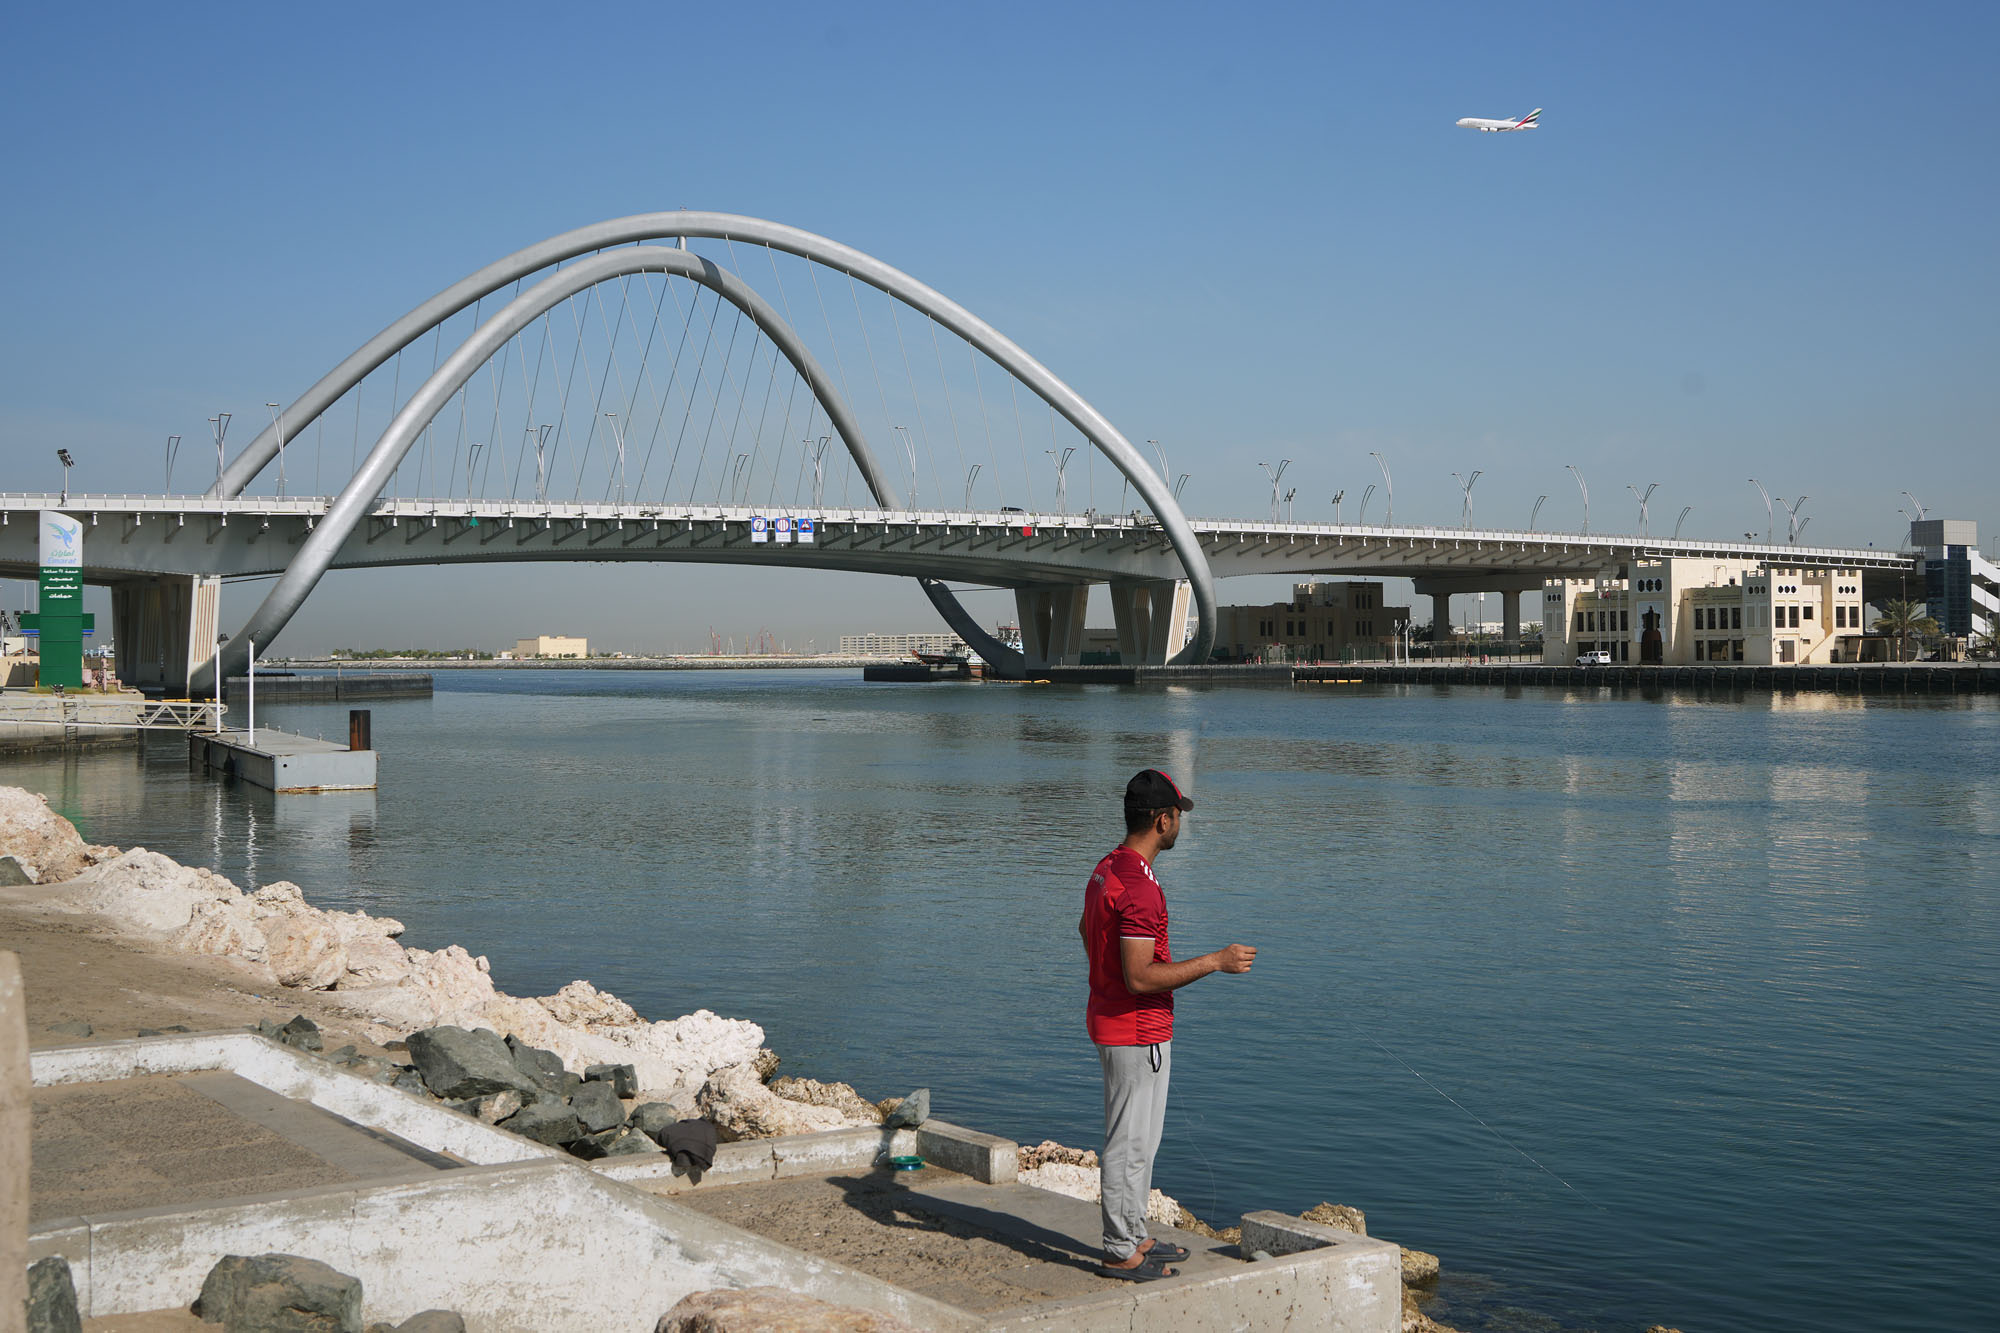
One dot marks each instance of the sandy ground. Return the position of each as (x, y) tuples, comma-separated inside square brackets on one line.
[(75, 968)]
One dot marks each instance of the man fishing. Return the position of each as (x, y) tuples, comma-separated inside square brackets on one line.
[(1133, 977)]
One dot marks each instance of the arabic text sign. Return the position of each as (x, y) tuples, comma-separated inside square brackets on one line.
[(62, 541)]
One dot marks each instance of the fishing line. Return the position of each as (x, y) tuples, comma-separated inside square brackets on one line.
[(1483, 1125)]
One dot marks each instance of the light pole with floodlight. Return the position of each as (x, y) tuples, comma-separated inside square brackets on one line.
[(1586, 496), (278, 424), (1062, 478), (1643, 501), (1388, 484), (173, 448), (63, 457), (1768, 520), (1465, 485), (618, 433), (221, 423), (1536, 512), (1283, 463)]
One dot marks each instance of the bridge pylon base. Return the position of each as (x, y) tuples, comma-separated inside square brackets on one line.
[(1051, 618), (1152, 619), (165, 627)]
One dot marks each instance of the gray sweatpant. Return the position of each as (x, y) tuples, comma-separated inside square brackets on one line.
[(1135, 1112)]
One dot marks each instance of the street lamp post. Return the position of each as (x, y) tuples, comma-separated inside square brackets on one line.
[(278, 424), (1536, 512), (1062, 478), (971, 475), (1361, 519), (1465, 485), (542, 461), (1336, 507), (63, 457), (1586, 496), (617, 433), (1792, 525), (1165, 473), (173, 448), (221, 423), (818, 453), (1275, 475), (1643, 499), (1682, 519), (1288, 503), (1178, 484), (471, 460), (1768, 520), (1388, 485)]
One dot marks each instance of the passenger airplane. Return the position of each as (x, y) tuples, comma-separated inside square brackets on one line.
[(1526, 122)]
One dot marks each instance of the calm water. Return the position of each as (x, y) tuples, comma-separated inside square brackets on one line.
[(1710, 982)]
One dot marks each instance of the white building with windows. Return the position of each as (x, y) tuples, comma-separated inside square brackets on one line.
[(1677, 612)]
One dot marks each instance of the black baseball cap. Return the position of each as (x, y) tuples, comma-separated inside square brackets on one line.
[(1150, 789)]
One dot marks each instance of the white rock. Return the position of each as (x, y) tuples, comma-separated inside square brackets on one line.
[(147, 892), (42, 839), (1081, 1182), (226, 928), (741, 1106), (581, 1004), (373, 956), (304, 952)]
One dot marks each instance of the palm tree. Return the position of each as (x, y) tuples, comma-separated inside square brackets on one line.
[(1904, 621)]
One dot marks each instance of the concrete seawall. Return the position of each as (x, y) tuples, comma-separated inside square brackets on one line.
[(1861, 678), (273, 687)]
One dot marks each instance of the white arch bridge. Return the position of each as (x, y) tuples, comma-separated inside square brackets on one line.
[(594, 389)]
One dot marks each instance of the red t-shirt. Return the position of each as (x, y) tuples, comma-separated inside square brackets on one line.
[(1124, 901)]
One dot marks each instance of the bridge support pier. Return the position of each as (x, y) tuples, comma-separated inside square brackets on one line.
[(165, 628), (1151, 619), (1052, 623), (1510, 615), (1441, 616)]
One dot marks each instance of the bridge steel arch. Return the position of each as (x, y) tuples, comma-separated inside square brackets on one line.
[(618, 232), (349, 509)]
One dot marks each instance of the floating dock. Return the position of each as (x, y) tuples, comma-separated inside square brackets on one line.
[(283, 762)]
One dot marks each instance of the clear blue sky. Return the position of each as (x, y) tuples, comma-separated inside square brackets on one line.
[(1747, 240)]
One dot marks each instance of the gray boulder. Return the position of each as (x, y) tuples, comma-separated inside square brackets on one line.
[(546, 1121), (459, 1062), (654, 1119), (408, 1080), (621, 1141), (598, 1107), (544, 1067), (624, 1079), (14, 871), (912, 1111), (430, 1321), (303, 1033), (52, 1297), (279, 1293)]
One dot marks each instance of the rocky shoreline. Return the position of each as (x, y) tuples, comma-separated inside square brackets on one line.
[(579, 1070)]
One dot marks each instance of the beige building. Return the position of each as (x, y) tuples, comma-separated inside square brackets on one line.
[(552, 645), (1676, 612), (1324, 622)]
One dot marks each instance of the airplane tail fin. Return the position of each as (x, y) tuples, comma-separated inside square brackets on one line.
[(1531, 117)]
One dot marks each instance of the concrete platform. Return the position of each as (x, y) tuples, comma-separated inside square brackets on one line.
[(524, 1238), (196, 1138), (283, 762)]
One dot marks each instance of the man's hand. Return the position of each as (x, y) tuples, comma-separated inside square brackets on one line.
[(1236, 958), (1144, 976)]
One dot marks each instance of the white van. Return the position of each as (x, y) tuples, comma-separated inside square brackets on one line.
[(1598, 658)]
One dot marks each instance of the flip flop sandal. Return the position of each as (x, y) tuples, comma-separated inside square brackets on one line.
[(1152, 1270), (1167, 1251)]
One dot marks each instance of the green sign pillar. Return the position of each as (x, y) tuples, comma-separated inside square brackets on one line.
[(60, 617)]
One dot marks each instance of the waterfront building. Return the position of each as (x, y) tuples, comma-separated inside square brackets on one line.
[(1961, 587), (552, 645), (1326, 621), (1676, 612), (899, 645)]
